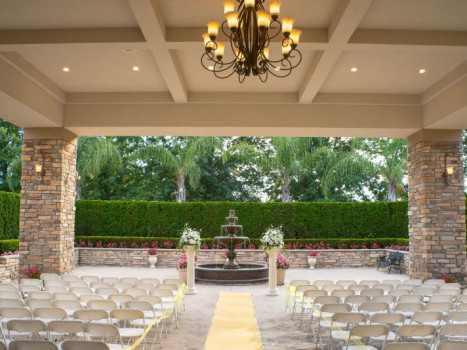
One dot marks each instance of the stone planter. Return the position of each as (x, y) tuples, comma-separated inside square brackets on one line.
[(182, 274), (312, 262), (152, 260), (280, 276)]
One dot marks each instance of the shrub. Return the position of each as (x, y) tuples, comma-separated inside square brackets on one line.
[(9, 215), (298, 220), (9, 245)]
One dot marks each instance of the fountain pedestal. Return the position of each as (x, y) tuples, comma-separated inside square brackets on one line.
[(272, 253), (190, 273)]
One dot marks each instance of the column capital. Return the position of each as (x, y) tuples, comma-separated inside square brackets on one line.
[(437, 135), (49, 134)]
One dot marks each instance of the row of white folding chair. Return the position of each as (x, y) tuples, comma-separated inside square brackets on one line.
[(29, 344), (441, 345)]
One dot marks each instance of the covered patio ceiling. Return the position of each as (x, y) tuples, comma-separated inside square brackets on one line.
[(100, 42)]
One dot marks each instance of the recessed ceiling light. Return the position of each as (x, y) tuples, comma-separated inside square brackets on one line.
[(66, 69), (211, 67), (354, 69), (135, 68), (422, 71)]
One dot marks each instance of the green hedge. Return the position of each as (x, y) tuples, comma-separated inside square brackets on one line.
[(298, 220), (301, 243), (9, 215), (9, 245)]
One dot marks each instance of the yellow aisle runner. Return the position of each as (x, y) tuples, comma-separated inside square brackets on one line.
[(233, 325)]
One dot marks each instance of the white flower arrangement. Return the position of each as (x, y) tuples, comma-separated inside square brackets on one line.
[(190, 237), (272, 238)]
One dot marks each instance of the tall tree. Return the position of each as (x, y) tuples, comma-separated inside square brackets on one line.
[(11, 138), (94, 156), (284, 159), (181, 159), (386, 158)]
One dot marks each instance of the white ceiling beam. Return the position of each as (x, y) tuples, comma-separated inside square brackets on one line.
[(237, 119), (153, 28), (343, 25)]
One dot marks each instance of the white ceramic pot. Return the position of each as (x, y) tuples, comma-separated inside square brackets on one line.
[(280, 277), (152, 260), (312, 262)]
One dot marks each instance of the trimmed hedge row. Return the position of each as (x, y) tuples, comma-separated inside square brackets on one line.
[(9, 245), (298, 220), (9, 215), (93, 241)]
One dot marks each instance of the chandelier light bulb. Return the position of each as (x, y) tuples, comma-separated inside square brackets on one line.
[(239, 55), (264, 19), (213, 29), (275, 9), (220, 51), (266, 52), (295, 36), (250, 3), (208, 43), (286, 50), (287, 26), (232, 20), (229, 6)]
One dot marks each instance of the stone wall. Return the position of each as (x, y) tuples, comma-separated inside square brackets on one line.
[(338, 258), (436, 209), (9, 267), (47, 205)]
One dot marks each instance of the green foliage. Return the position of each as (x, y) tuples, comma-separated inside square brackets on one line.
[(9, 245), (298, 220), (10, 156), (9, 215)]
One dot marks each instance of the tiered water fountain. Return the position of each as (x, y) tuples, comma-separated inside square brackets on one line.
[(231, 272)]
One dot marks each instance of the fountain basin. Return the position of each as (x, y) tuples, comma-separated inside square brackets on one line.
[(244, 274)]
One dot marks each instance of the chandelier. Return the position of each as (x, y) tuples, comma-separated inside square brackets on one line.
[(250, 30)]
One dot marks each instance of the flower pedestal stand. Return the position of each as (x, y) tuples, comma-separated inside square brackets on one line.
[(272, 252), (190, 271)]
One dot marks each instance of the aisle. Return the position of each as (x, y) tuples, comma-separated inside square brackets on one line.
[(234, 325)]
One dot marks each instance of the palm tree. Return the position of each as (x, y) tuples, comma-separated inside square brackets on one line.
[(94, 154), (390, 163), (181, 160), (286, 158)]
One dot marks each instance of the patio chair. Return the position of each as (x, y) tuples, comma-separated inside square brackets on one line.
[(406, 346), (49, 314), (122, 286), (98, 316), (342, 293), (132, 280), (416, 282), (360, 335), (49, 276), (14, 303), (107, 305), (392, 262), (325, 316), (341, 324), (65, 330), (80, 290), (70, 306), (371, 307), (77, 284), (31, 281), (120, 299), (65, 296), (90, 279), (357, 288), (10, 294), (9, 287), (457, 317), (443, 298), (69, 278), (398, 292), (451, 345), (84, 344), (84, 298), (408, 309), (408, 298), (110, 280), (451, 331), (56, 289), (14, 313), (372, 292), (98, 284), (145, 286), (386, 287), (40, 295), (393, 282), (369, 283), (25, 289), (346, 283), (105, 292), (125, 318), (55, 283), (444, 307), (32, 344), (420, 333), (37, 303), (320, 283), (389, 299), (433, 318), (393, 320), (155, 281), (356, 300), (176, 281), (27, 328), (135, 291), (108, 333)]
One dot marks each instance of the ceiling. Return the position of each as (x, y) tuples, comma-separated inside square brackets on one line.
[(388, 41)]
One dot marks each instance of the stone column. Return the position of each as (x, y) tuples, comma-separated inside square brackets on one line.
[(436, 208), (47, 217)]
